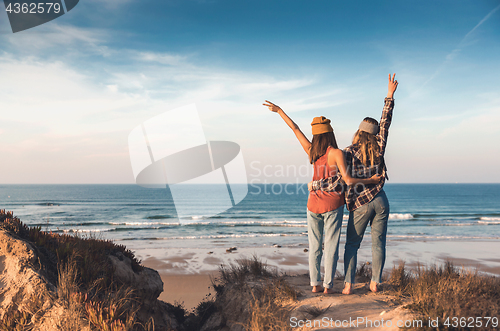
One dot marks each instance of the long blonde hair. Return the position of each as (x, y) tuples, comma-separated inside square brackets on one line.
[(370, 150)]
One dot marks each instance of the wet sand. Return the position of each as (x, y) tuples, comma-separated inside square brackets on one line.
[(186, 272)]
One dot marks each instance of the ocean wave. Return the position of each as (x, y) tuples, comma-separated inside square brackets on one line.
[(143, 223), (232, 217), (490, 219), (398, 216), (224, 236), (48, 204), (82, 230), (441, 237), (277, 223), (249, 221), (394, 216), (158, 217), (451, 215), (488, 223), (284, 223), (66, 224)]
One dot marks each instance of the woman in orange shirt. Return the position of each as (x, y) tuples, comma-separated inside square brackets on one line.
[(324, 209)]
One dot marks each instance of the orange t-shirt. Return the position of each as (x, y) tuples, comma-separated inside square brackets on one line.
[(319, 201)]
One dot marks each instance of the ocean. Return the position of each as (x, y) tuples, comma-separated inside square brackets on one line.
[(271, 214)]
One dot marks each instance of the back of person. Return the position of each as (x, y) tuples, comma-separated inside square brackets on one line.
[(325, 209), (365, 157), (370, 205), (367, 202), (320, 201)]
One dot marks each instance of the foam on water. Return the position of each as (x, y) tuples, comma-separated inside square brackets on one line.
[(129, 212)]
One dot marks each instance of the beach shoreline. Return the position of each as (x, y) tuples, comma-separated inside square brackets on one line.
[(187, 273)]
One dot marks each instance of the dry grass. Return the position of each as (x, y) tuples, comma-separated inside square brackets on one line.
[(363, 273), (196, 319), (115, 312), (83, 275), (26, 317), (314, 311), (266, 311), (244, 268), (446, 291), (267, 294)]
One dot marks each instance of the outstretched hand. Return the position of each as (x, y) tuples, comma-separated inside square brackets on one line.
[(393, 85), (272, 107)]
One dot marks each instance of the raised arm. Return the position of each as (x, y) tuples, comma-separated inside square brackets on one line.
[(386, 119), (336, 159), (306, 144)]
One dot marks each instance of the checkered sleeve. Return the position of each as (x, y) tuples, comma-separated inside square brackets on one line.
[(317, 184), (326, 184), (385, 123)]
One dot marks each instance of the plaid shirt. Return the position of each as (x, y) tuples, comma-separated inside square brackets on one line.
[(359, 194)]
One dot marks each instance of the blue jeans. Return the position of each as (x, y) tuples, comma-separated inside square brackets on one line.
[(376, 212), (329, 223)]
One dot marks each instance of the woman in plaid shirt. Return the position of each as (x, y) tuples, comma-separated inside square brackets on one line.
[(366, 203), (324, 209)]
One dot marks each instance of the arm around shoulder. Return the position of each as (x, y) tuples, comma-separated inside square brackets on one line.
[(337, 156)]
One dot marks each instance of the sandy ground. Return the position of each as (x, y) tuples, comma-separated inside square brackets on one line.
[(362, 310), (188, 289), (187, 273)]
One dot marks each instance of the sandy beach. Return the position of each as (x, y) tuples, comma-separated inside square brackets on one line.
[(187, 272)]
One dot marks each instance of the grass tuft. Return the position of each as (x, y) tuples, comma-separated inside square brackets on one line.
[(314, 311), (83, 275), (363, 273), (446, 292), (244, 268), (264, 295)]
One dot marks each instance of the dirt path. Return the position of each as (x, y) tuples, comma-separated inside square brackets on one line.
[(363, 310)]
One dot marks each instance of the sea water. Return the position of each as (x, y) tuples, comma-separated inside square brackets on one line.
[(271, 214)]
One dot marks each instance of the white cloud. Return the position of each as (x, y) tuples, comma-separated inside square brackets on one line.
[(55, 96), (72, 118), (165, 58), (64, 116), (58, 38)]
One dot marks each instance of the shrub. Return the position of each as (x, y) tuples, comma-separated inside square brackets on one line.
[(446, 292)]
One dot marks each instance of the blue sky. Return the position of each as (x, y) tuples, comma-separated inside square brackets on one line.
[(72, 89)]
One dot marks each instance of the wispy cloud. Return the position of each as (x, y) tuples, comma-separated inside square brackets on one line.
[(56, 38), (458, 49), (162, 58), (67, 108)]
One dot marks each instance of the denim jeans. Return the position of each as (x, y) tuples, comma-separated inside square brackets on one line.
[(376, 212), (328, 223)]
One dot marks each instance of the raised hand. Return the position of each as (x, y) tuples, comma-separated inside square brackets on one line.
[(306, 144), (393, 85), (272, 107)]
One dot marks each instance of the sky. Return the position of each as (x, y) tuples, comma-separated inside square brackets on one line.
[(73, 89)]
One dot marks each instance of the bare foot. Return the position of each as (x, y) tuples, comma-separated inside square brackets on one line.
[(347, 289), (328, 291), (373, 286), (317, 289)]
